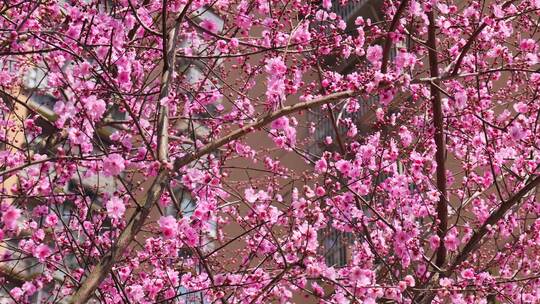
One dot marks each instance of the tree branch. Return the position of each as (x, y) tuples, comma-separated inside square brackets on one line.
[(438, 120), (388, 40), (473, 243), (469, 43), (260, 123), (479, 234), (169, 50), (103, 268)]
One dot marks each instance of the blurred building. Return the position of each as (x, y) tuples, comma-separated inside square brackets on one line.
[(334, 245)]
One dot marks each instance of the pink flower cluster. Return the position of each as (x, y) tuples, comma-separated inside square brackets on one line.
[(275, 90)]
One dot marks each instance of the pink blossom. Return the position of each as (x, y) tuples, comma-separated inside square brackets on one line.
[(244, 21), (51, 220), (5, 77), (275, 66), (319, 191), (190, 235), (405, 135), (467, 274), (498, 11), (520, 107), (136, 293), (168, 226), (280, 123), (73, 31), (461, 99), (16, 293), (253, 207), (321, 166), (405, 60), (280, 141), (342, 25), (64, 111), (10, 217), (327, 4), (41, 252), (386, 97), (516, 132), (302, 35), (527, 45), (209, 25), (374, 54), (380, 114), (401, 237), (434, 241), (532, 58), (290, 133), (275, 91), (124, 78), (94, 107), (113, 164), (250, 195), (343, 166), (353, 130), (192, 177), (402, 285), (29, 288), (317, 289), (234, 43), (115, 207), (409, 279), (443, 8), (361, 277), (38, 235), (451, 241), (80, 138), (446, 282)]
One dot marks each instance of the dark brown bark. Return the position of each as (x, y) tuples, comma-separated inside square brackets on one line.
[(388, 40), (438, 123)]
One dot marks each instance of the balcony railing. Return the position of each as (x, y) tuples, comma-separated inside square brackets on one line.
[(324, 127), (334, 246), (354, 8), (347, 10)]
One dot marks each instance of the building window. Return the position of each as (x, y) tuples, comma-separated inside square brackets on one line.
[(42, 296), (35, 79), (354, 8), (334, 246), (185, 208), (191, 297), (323, 123)]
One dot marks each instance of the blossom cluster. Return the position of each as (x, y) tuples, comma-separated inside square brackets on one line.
[(257, 151)]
